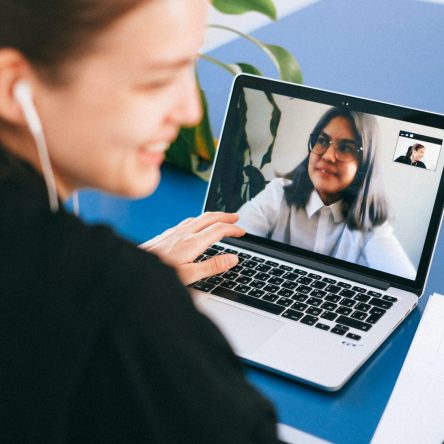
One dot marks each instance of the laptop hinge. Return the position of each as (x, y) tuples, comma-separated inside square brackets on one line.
[(309, 263)]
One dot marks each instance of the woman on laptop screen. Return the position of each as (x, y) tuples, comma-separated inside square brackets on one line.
[(332, 203)]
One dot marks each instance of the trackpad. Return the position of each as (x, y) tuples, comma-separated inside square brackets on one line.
[(245, 331)]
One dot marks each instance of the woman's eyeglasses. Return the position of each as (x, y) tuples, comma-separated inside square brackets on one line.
[(345, 150)]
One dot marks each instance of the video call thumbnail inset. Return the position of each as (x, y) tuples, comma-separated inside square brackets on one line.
[(417, 150)]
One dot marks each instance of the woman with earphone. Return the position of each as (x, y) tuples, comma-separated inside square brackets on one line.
[(100, 341)]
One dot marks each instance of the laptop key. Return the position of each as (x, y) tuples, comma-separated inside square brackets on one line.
[(215, 280), (258, 259), (271, 288), (290, 276), (299, 306), (314, 276), (380, 303), (230, 275), (333, 288), (257, 284), (248, 272), (329, 306), (346, 302), (292, 314), (332, 298), (262, 276), (375, 317), (374, 294), (243, 280), (276, 272), (248, 300), (286, 267), (275, 280), (300, 297), (363, 307), (303, 289), (319, 284), (203, 286), (300, 272), (329, 280), (231, 251), (255, 292), (218, 247), (389, 298), (290, 285), (263, 267), (314, 311), (347, 293), (344, 285), (285, 293), (339, 330), (360, 315), (211, 251), (237, 269), (315, 302), (362, 297), (304, 280), (244, 255), (322, 326), (286, 302), (271, 263), (228, 284), (353, 336), (359, 289), (241, 288), (330, 316), (270, 297), (344, 310), (318, 293), (309, 320), (354, 323), (249, 264)]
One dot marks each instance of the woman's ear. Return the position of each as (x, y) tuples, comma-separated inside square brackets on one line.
[(12, 70)]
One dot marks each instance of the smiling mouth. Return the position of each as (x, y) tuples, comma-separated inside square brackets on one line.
[(155, 148), (326, 171)]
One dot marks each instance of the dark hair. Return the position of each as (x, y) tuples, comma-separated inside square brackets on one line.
[(412, 148), (49, 32), (364, 204)]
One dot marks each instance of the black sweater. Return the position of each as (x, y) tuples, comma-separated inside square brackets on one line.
[(100, 342)]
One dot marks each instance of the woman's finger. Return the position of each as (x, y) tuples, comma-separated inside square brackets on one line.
[(190, 273), (208, 219)]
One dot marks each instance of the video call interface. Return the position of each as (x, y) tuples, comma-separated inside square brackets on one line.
[(399, 164)]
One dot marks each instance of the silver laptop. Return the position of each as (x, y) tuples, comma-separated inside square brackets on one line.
[(341, 198)]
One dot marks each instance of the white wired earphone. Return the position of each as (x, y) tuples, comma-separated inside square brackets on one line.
[(23, 96)]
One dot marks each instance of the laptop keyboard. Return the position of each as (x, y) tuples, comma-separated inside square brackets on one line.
[(285, 290)]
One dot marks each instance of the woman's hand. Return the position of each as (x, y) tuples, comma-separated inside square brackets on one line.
[(180, 245)]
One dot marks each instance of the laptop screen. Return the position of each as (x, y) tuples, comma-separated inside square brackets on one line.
[(339, 179)]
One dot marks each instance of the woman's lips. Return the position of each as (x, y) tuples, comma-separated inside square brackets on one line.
[(153, 153), (327, 171)]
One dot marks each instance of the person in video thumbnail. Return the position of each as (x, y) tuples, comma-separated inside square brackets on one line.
[(333, 202), (413, 156)]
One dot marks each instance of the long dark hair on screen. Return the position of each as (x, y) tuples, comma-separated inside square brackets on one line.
[(415, 147), (364, 203)]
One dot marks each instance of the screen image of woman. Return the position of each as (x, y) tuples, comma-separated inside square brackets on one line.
[(413, 156), (333, 202)]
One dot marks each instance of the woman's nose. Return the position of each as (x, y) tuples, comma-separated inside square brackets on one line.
[(330, 154)]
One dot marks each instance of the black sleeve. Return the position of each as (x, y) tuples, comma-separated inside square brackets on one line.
[(162, 372)]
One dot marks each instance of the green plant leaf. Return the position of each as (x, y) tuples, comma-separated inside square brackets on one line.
[(285, 63), (247, 68), (265, 7), (289, 69)]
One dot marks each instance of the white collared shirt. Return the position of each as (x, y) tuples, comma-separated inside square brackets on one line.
[(322, 229)]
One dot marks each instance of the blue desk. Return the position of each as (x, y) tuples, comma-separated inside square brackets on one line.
[(389, 50)]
